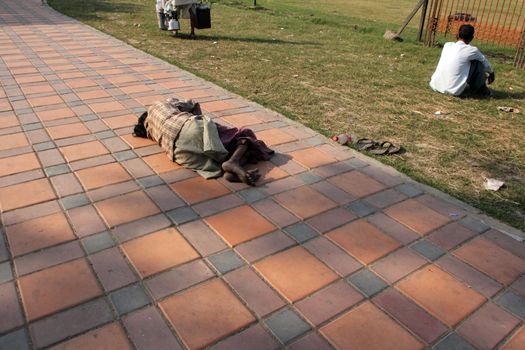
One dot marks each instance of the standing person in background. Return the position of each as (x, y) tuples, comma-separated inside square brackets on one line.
[(160, 14), (463, 65), (183, 9)]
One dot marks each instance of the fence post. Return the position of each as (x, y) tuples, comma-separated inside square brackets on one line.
[(422, 21)]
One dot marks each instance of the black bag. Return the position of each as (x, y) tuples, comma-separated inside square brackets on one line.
[(203, 17)]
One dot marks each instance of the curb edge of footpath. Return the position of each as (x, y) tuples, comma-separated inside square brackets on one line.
[(508, 230)]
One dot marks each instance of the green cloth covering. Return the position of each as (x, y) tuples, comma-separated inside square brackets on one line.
[(200, 148)]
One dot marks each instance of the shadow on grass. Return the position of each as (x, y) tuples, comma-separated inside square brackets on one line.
[(201, 37), (87, 10)]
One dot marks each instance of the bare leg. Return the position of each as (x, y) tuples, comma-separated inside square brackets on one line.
[(233, 166)]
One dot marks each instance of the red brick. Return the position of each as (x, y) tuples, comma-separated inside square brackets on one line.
[(257, 294), (357, 184), (33, 192), (496, 262), (310, 342), (398, 264), (487, 327), (108, 337), (86, 221), (197, 308), (112, 269), (366, 327), (305, 202), (295, 273), (198, 189), (255, 336), (239, 225), (517, 342), (48, 257), (39, 233), (410, 315), (202, 238), (329, 302), (158, 251), (275, 213), (66, 184), (472, 277), (178, 279), (10, 312), (331, 219), (18, 164), (418, 217), (148, 330), (333, 256), (264, 246), (56, 288), (126, 208), (363, 241), (451, 235), (441, 294)]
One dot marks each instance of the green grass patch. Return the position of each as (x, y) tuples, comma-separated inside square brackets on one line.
[(326, 65)]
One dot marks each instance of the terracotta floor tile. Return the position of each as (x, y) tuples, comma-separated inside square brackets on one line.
[(68, 130), (80, 83), (39, 233), (106, 107), (37, 88), (198, 309), (45, 101), (18, 164), (366, 327), (268, 171), (517, 342), (54, 114), (87, 95), (159, 251), (133, 89), (217, 106), (274, 136), (243, 119), (161, 163), (451, 235), (121, 121), (108, 337), (398, 265), (56, 288), (13, 141), (295, 273), (363, 241), (102, 175), (312, 157), (329, 302), (199, 189), (487, 327), (416, 216), (357, 184), (305, 202), (33, 192), (496, 262), (137, 142), (126, 208), (441, 294), (83, 150), (240, 225)]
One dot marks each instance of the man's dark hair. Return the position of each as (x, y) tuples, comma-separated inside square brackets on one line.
[(466, 32)]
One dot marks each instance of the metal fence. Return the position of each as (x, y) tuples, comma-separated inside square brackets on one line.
[(497, 22)]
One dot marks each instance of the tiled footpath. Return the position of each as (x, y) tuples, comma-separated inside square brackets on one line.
[(105, 244)]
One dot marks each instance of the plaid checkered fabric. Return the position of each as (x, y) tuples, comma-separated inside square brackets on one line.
[(165, 121)]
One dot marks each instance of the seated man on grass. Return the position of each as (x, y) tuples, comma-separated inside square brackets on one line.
[(462, 65)]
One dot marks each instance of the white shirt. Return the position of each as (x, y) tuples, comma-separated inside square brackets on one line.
[(159, 5), (452, 70)]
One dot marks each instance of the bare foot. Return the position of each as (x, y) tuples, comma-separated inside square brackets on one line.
[(233, 170)]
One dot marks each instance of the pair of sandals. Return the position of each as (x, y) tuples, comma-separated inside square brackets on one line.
[(377, 148)]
